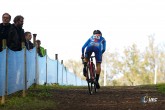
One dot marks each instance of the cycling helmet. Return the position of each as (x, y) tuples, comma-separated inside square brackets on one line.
[(97, 32)]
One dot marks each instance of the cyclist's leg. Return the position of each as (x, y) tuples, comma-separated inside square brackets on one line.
[(87, 56), (98, 70), (98, 67), (85, 64)]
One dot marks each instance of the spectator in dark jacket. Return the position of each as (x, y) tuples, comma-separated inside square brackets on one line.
[(4, 28), (29, 45), (16, 34)]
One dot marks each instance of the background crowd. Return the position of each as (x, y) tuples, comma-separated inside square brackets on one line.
[(14, 35)]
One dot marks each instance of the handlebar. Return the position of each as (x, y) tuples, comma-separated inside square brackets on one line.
[(91, 57)]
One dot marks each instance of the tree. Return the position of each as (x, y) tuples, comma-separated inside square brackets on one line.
[(75, 66)]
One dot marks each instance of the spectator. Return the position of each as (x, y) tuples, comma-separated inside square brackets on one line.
[(4, 28), (16, 34), (40, 50), (29, 45)]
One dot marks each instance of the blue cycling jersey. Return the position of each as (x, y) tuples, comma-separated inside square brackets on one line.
[(95, 44)]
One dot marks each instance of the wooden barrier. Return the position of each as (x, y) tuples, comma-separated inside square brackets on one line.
[(46, 68), (62, 70), (4, 47), (3, 100), (4, 44), (56, 58), (25, 78), (36, 72), (34, 39)]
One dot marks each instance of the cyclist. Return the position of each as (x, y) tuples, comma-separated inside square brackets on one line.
[(97, 44)]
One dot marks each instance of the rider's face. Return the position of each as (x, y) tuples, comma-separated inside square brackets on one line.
[(97, 35)]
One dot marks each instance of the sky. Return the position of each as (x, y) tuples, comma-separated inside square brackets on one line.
[(63, 26)]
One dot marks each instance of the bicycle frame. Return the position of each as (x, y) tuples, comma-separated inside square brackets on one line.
[(91, 67), (91, 74)]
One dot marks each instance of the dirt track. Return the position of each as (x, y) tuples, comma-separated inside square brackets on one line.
[(110, 98)]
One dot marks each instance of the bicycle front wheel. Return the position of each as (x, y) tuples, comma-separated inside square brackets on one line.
[(90, 82)]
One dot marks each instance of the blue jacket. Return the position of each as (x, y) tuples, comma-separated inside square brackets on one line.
[(98, 43)]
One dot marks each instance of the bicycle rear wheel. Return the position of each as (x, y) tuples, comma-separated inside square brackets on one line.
[(90, 82)]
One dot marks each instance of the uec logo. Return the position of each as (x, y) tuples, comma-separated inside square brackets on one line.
[(149, 99)]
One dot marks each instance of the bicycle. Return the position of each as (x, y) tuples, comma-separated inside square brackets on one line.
[(91, 76)]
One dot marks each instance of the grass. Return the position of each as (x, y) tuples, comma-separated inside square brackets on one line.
[(161, 88), (27, 103), (36, 99)]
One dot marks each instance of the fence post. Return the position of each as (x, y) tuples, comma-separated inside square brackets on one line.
[(3, 47), (36, 65), (3, 100), (62, 70), (66, 76), (25, 74), (34, 39), (4, 43), (56, 58), (46, 68)]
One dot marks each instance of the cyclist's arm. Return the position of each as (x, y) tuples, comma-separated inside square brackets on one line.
[(84, 46), (104, 46)]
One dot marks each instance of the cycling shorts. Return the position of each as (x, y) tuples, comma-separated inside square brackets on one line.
[(98, 54)]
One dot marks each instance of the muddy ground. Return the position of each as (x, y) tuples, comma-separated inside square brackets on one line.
[(109, 98)]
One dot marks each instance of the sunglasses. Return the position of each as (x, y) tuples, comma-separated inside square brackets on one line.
[(96, 36)]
